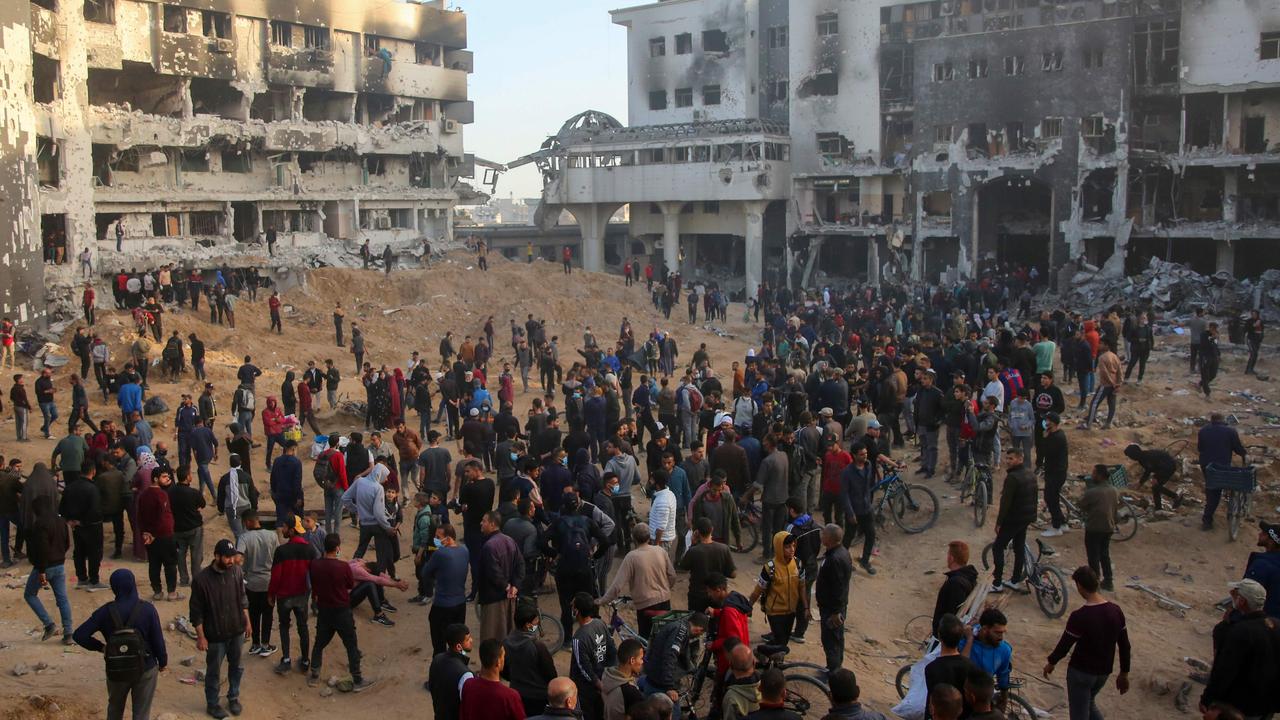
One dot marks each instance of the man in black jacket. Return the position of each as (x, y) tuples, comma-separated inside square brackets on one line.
[(832, 594), (669, 657), (1019, 498), (1246, 654), (1045, 399), (448, 671), (81, 506), (1162, 466), (929, 414), (1056, 454), (529, 666), (961, 579)]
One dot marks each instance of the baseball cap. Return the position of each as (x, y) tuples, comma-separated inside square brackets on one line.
[(297, 525), (873, 424), (1252, 591), (226, 548), (1272, 530)]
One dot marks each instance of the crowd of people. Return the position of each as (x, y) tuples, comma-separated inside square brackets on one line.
[(632, 465)]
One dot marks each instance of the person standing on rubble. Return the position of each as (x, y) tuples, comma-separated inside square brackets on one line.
[(273, 303), (337, 324), (1195, 328), (388, 259), (1252, 334), (1210, 356), (271, 241)]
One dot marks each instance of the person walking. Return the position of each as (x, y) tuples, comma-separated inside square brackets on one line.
[(1216, 444), (132, 644), (1019, 501), (219, 611), (1210, 357), (1096, 631), (1252, 335), (288, 591), (856, 486), (186, 503), (331, 582), (831, 594), (1246, 650), (366, 499), (1108, 379), (48, 540), (273, 305), (1098, 506)]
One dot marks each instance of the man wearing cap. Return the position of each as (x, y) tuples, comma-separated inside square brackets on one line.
[(1264, 567), (1246, 647), (219, 611), (928, 413)]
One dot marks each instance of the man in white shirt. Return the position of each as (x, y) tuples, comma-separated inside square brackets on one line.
[(662, 513), (994, 388)]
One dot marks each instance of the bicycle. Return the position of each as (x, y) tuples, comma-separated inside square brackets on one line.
[(805, 693), (975, 482), (1126, 514), (620, 627), (550, 631), (1047, 582), (749, 517), (1016, 707), (1237, 485), (914, 507)]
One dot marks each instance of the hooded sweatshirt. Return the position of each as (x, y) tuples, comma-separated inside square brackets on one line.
[(620, 693), (47, 536), (147, 621), (272, 417), (782, 581), (732, 622), (741, 696)]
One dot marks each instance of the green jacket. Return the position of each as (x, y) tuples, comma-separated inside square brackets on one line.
[(424, 528)]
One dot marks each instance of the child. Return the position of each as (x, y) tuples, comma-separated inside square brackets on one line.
[(1022, 421), (425, 522), (314, 532), (395, 517)]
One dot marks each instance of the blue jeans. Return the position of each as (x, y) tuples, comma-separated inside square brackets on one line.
[(332, 511), (229, 649), (648, 690), (56, 576), (245, 419), (272, 441), (1082, 691), (50, 412), (206, 480)]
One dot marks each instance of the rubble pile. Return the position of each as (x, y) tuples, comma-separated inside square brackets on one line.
[(1172, 288)]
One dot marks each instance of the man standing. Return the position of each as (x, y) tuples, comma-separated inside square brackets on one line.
[(331, 583), (1109, 379), (928, 414), (1195, 330), (593, 651), (44, 398), (47, 542), (220, 613), (782, 584), (449, 671), (81, 506), (1019, 500), (1216, 444), (447, 571), (366, 499), (663, 511), (856, 486), (258, 546), (832, 594), (1096, 630), (287, 590), (188, 525), (501, 570), (155, 521), (127, 612), (647, 576), (1055, 452), (703, 559), (573, 539), (528, 666), (332, 377), (771, 482), (1246, 647), (483, 696), (21, 407), (1098, 506), (286, 483)]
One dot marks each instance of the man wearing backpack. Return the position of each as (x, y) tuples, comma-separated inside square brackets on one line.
[(573, 539), (689, 400), (330, 473), (134, 649)]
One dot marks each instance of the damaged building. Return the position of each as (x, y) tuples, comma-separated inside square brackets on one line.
[(206, 123), (936, 139)]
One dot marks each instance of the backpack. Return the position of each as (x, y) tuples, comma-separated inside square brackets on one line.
[(323, 471), (575, 543), (126, 652), (695, 399), (967, 431)]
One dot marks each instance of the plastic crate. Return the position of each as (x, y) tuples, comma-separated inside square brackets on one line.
[(1118, 476), (1228, 477)]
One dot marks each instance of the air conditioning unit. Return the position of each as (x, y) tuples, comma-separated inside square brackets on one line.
[(448, 126), (224, 46), (698, 116), (382, 222), (948, 8)]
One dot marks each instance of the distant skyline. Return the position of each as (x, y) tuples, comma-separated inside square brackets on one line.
[(537, 65)]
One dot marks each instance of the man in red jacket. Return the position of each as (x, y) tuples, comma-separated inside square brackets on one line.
[(273, 303), (730, 610), (155, 521), (306, 408), (331, 582), (287, 591)]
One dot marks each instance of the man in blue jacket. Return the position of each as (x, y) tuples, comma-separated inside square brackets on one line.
[(1216, 442), (141, 616), (1264, 567), (129, 397), (286, 483)]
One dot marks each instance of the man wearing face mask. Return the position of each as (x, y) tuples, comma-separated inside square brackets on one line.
[(529, 668)]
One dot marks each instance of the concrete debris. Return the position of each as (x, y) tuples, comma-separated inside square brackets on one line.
[(1172, 288), (20, 669), (1162, 600)]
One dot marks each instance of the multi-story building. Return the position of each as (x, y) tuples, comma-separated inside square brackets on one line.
[(935, 139), (205, 123)]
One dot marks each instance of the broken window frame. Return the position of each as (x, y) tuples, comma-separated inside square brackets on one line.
[(684, 43), (778, 37), (38, 88), (215, 25), (1051, 128), (1051, 61), (1093, 126), (1015, 65), (1269, 46), (315, 37), (978, 68), (194, 160), (943, 134), (657, 100), (715, 40), (100, 11), (828, 24), (684, 97), (281, 33), (48, 162), (830, 145), (425, 53), (711, 95), (205, 222), (944, 71), (1093, 58), (1156, 48), (374, 165), (658, 46), (174, 19), (241, 161), (778, 91)]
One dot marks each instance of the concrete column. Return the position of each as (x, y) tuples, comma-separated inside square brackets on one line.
[(593, 221), (1226, 259), (690, 264), (754, 212), (1230, 194), (671, 235), (873, 262)]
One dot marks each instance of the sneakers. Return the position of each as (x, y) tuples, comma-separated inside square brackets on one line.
[(416, 599), (361, 685), (867, 566), (234, 707), (1052, 532), (216, 711), (388, 607), (304, 665), (48, 632), (997, 588), (267, 650), (797, 639), (255, 649), (1014, 586), (284, 666), (1108, 585), (95, 587), (383, 620)]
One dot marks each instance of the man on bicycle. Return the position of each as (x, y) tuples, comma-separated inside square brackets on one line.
[(670, 657), (988, 649)]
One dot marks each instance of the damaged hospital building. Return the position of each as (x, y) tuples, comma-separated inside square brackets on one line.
[(191, 128), (932, 139)]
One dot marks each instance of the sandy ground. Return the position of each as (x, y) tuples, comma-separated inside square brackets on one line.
[(1171, 554)]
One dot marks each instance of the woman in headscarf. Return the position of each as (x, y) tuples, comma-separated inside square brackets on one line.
[(395, 390), (288, 398), (380, 401), (47, 542), (141, 481), (147, 624)]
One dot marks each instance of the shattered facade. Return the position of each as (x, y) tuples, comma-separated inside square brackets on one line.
[(933, 139), (204, 123), (21, 272)]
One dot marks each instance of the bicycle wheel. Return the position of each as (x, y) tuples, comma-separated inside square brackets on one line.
[(1019, 709), (807, 695), (695, 695), (903, 681), (967, 475), (918, 630), (1051, 591), (1235, 513), (1126, 521), (750, 538), (915, 508), (980, 504), (550, 632)]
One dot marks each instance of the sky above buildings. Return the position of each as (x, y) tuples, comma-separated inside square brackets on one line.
[(538, 64)]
